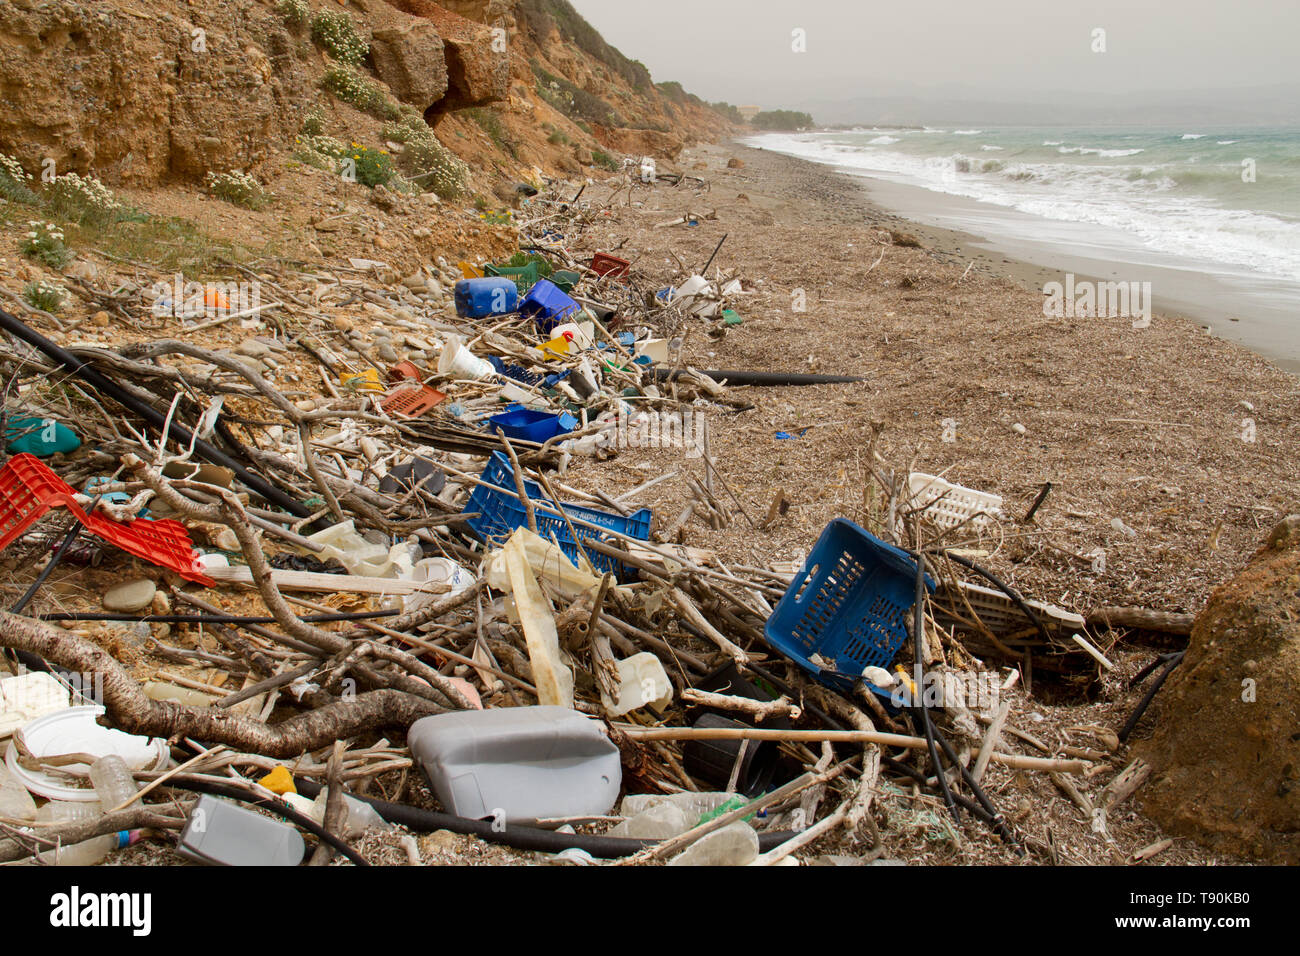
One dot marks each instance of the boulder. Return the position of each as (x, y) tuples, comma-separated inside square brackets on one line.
[(410, 59), (130, 597), (1225, 753)]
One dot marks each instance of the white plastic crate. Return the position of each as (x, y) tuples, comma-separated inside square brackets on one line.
[(1000, 614), (948, 505)]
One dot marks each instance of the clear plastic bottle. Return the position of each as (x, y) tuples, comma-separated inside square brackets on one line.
[(734, 845), (113, 782), (15, 802), (87, 853)]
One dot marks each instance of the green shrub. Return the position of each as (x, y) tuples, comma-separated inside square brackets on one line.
[(46, 296), (237, 188), (433, 165), (605, 161), (14, 182), (558, 139), (296, 13), (333, 30), (352, 86), (313, 124), (44, 243), (783, 120), (369, 167), (84, 199)]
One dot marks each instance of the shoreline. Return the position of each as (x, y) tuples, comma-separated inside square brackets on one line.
[(1255, 318)]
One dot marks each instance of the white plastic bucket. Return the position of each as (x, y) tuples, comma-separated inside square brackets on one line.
[(460, 362)]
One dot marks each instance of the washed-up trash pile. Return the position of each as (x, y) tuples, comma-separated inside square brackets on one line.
[(341, 561)]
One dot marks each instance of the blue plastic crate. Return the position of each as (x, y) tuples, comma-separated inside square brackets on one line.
[(527, 424), (847, 605), (500, 514), (547, 305), (517, 372)]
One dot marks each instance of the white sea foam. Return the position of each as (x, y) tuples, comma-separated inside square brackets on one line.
[(1146, 203)]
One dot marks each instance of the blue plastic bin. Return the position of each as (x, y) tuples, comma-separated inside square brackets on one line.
[(847, 606), (500, 514), (493, 295), (527, 424), (547, 305)]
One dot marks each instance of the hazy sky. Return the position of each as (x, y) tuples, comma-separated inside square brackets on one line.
[(740, 50)]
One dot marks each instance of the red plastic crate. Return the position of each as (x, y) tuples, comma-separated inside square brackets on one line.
[(605, 265), (413, 402), (28, 489)]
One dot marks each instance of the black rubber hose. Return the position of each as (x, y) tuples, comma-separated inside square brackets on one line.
[(34, 662), (107, 386), (520, 838), (996, 820), (1145, 672), (212, 618), (186, 782), (1005, 588), (918, 671), (744, 377), (1149, 696)]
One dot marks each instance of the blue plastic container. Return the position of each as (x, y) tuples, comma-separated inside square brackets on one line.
[(527, 424), (517, 372), (501, 513), (847, 606), (547, 305), (493, 295)]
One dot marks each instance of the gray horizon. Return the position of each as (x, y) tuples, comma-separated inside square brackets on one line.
[(1001, 60)]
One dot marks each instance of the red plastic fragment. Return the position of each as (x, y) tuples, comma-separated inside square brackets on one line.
[(28, 489), (403, 371), (603, 264)]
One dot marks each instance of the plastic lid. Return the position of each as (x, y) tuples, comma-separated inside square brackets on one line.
[(74, 731)]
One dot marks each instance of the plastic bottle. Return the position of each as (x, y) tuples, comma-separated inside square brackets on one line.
[(15, 802), (663, 821), (87, 853), (113, 782), (734, 845)]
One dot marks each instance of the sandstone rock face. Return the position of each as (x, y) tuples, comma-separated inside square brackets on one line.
[(640, 142), (410, 59), (140, 94), (478, 64), (1226, 750)]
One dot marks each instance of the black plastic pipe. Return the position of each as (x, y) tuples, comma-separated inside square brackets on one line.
[(1149, 696), (212, 618), (520, 838), (107, 386), (742, 377)]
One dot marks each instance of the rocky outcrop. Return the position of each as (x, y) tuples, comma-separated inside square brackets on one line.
[(1226, 749), (478, 60), (410, 59), (143, 93), (640, 142)]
